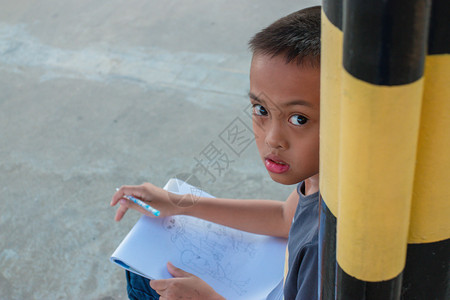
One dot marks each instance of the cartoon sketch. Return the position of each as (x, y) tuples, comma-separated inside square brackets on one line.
[(203, 246)]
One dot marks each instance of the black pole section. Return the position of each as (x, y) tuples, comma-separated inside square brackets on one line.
[(439, 36), (427, 271), (333, 12), (385, 41)]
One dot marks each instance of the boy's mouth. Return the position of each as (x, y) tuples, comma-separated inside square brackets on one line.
[(275, 165)]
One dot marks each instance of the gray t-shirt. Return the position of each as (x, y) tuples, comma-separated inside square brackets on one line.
[(302, 278)]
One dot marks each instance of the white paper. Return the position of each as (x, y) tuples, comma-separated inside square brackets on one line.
[(237, 264)]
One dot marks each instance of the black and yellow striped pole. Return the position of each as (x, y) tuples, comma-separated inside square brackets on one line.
[(330, 94), (427, 272), (383, 58)]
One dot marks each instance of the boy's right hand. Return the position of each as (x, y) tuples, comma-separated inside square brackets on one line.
[(183, 285), (158, 198)]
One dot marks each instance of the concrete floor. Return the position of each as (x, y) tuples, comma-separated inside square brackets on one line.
[(96, 94)]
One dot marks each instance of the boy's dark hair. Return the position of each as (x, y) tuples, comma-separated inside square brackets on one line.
[(296, 36)]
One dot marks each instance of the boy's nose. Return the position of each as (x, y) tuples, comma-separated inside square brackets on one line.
[(275, 137)]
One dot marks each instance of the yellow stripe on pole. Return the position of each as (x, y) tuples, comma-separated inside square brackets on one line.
[(330, 97), (379, 131), (430, 212)]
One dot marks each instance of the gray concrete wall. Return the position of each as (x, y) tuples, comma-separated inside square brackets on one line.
[(96, 94)]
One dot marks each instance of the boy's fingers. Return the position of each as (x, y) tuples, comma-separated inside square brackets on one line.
[(116, 197), (159, 285), (133, 190), (121, 210), (177, 272)]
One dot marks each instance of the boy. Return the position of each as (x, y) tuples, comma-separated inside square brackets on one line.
[(284, 92)]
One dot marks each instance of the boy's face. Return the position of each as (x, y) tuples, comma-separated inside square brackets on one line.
[(285, 99)]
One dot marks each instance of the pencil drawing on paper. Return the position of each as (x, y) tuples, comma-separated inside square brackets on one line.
[(208, 248)]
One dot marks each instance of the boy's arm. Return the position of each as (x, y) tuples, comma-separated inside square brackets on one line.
[(268, 217)]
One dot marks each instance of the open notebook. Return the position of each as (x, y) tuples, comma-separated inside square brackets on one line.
[(237, 264)]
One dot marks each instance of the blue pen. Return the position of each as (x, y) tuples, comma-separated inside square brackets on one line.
[(142, 204)]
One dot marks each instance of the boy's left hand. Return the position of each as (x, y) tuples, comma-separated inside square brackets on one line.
[(184, 285)]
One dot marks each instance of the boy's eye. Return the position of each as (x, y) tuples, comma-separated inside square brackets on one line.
[(298, 120), (259, 110)]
